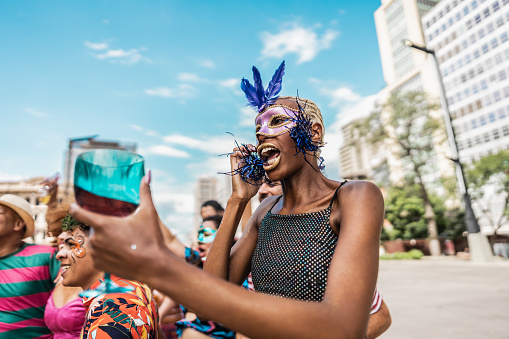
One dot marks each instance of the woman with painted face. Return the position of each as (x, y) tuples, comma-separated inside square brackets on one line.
[(317, 242)]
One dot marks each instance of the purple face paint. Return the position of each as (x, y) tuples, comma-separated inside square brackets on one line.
[(275, 120)]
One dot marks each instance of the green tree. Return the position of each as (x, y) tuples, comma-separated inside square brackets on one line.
[(405, 120), (404, 208), (488, 179)]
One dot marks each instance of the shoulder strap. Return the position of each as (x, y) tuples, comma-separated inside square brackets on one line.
[(275, 203), (336, 193)]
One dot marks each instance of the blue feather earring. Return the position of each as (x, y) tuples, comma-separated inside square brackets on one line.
[(302, 134)]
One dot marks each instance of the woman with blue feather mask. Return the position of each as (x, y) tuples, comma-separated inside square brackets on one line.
[(313, 251)]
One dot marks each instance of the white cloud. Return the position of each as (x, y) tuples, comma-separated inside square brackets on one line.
[(211, 144), (35, 113), (247, 116), (190, 77), (96, 46), (207, 63), (131, 56), (183, 91), (137, 128), (304, 42), (340, 96), (166, 151)]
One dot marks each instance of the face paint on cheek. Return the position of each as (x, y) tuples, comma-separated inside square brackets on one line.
[(78, 250)]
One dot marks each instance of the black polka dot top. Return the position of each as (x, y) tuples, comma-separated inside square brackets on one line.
[(293, 254)]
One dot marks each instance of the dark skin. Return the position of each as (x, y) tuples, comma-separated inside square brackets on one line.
[(12, 229), (344, 311)]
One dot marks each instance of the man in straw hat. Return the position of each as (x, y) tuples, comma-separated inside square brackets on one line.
[(27, 272)]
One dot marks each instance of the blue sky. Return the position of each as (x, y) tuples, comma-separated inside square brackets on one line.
[(166, 75)]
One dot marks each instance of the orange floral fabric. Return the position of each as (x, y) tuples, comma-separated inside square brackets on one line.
[(121, 315)]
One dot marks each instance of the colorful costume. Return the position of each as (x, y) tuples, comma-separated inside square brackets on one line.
[(121, 315), (26, 282)]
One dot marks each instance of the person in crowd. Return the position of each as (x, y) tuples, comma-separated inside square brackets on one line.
[(380, 317), (113, 315), (210, 208), (27, 272), (313, 251), (64, 314), (192, 327)]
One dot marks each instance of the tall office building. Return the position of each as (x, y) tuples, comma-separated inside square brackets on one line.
[(470, 39), (407, 69)]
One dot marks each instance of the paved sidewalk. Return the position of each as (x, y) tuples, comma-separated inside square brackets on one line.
[(446, 298)]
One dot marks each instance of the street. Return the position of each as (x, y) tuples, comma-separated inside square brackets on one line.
[(446, 298)]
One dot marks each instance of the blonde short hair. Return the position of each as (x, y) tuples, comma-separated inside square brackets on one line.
[(311, 110)]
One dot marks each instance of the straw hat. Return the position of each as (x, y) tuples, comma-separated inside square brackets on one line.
[(22, 208)]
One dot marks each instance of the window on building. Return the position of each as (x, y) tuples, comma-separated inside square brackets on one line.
[(506, 92), (481, 33), (478, 104), (469, 143), (487, 100), (483, 121), (468, 59), (493, 77), (505, 2), (486, 12), (460, 145), (447, 9), (497, 96), (496, 134), (467, 92), (474, 124), (465, 10), (501, 113), (427, 24), (486, 137), (485, 49), (494, 43), (490, 27), (477, 19), (484, 85), (475, 89), (476, 54), (473, 4), (458, 16), (480, 69), (505, 130), (470, 108), (463, 78), (477, 140), (472, 39), (451, 22), (498, 58), (496, 6), (503, 36), (491, 117), (500, 21), (502, 75), (460, 63), (471, 74)]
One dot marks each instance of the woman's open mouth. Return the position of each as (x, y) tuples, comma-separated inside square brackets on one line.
[(64, 268), (270, 156)]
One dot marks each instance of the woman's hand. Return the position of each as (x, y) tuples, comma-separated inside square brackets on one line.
[(126, 246), (241, 189)]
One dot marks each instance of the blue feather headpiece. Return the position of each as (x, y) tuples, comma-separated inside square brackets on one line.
[(258, 96)]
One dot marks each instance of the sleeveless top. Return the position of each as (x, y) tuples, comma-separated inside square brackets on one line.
[(65, 322), (293, 254)]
